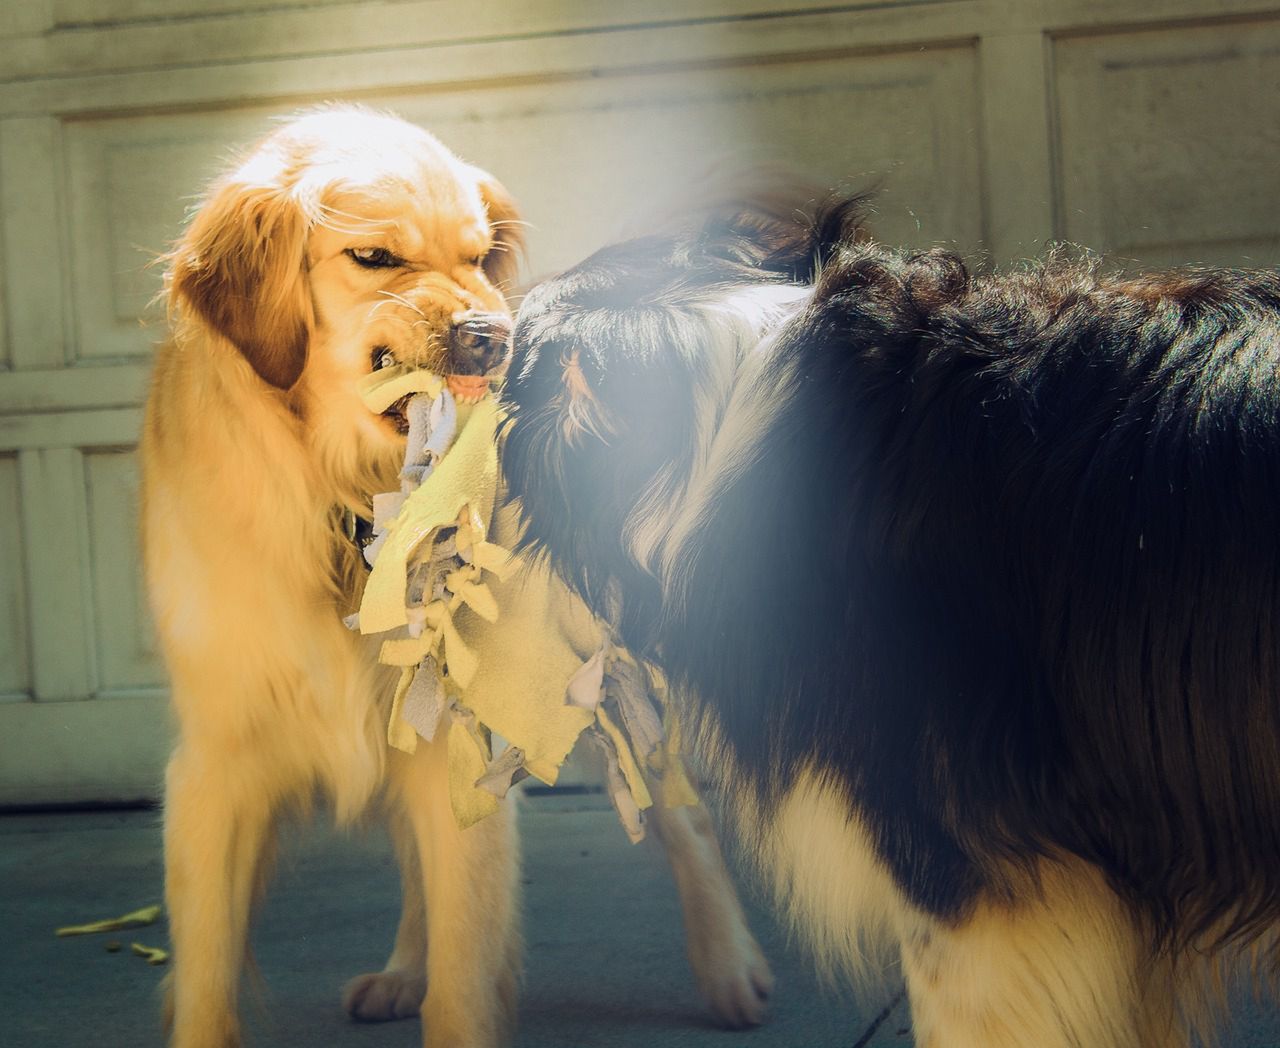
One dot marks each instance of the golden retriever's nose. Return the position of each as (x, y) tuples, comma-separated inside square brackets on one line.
[(478, 343)]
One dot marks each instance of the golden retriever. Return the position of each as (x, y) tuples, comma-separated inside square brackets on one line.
[(344, 236)]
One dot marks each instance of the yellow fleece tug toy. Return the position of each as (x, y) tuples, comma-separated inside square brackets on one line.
[(498, 646)]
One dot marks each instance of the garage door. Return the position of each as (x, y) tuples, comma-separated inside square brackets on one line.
[(991, 126)]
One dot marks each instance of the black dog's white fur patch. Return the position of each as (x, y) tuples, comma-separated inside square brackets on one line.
[(973, 583)]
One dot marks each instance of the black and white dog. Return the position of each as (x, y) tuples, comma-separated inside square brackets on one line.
[(972, 583)]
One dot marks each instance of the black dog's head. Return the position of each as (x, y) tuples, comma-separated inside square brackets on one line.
[(623, 370)]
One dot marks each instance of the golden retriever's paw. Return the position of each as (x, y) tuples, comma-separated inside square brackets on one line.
[(377, 997), (734, 979)]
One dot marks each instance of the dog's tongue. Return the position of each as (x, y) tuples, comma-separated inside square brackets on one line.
[(468, 387)]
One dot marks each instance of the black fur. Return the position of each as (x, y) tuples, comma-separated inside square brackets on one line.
[(1006, 566)]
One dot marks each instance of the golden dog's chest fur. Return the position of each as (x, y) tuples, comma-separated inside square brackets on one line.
[(243, 571)]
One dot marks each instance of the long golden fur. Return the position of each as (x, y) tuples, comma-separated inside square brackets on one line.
[(254, 441), (342, 236)]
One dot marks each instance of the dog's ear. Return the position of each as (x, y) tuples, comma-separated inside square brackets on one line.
[(792, 230), (242, 266), (502, 263)]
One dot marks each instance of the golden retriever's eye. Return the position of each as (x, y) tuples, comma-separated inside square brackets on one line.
[(373, 257), (383, 358)]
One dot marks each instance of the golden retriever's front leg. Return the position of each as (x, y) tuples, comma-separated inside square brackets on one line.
[(216, 828), (398, 990), (470, 881), (728, 964)]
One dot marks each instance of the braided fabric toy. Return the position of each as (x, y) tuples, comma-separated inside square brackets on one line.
[(497, 646)]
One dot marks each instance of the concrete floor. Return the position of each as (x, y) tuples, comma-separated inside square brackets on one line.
[(605, 961)]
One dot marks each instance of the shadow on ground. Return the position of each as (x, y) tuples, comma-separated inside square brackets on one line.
[(605, 960)]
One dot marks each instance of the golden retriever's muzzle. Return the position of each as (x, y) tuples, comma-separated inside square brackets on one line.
[(479, 343)]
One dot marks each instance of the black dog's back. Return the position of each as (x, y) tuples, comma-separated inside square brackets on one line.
[(1018, 583), (972, 581)]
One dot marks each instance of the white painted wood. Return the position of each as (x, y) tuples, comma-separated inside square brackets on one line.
[(503, 18), (15, 663), (640, 139), (281, 82), (71, 389), (1019, 184), (109, 749), (993, 125), (146, 40), (55, 533), (110, 428), (110, 12), (5, 360), (1169, 141), (130, 183), (101, 37), (25, 18), (33, 205)]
